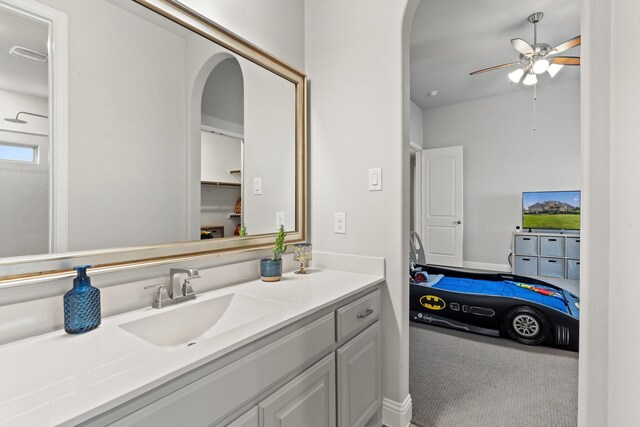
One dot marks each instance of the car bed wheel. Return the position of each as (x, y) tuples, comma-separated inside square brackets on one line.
[(527, 325)]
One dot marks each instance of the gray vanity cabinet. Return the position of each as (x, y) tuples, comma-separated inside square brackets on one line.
[(249, 419), (359, 378), (321, 371), (309, 400)]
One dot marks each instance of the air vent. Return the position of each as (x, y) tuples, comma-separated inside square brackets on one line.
[(26, 53)]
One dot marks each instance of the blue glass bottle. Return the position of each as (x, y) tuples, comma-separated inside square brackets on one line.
[(81, 304)]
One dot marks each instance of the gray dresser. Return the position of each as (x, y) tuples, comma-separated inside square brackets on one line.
[(547, 255)]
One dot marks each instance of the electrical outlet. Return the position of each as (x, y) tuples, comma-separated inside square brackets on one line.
[(375, 179), (279, 220), (340, 223), (257, 185)]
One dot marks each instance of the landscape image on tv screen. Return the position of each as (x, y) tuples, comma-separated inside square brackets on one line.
[(551, 210)]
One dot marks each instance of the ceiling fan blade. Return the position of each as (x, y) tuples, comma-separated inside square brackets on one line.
[(525, 73), (576, 41), (497, 67), (565, 60), (522, 46)]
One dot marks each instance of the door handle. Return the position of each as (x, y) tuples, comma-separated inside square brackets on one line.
[(458, 222)]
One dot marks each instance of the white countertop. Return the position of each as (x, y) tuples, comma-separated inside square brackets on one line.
[(56, 378)]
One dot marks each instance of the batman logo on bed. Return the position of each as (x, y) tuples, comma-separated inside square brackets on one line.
[(432, 302)]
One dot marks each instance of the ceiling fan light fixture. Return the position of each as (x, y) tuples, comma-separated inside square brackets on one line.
[(554, 69), (540, 66), (530, 80), (516, 75)]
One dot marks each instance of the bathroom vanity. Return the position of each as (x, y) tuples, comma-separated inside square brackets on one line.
[(305, 351)]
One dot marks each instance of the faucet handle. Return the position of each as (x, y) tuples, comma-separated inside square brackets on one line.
[(161, 296), (187, 289)]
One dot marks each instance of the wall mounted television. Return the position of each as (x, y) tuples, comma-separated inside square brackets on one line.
[(551, 210)]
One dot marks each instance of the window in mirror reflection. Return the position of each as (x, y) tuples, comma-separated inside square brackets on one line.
[(24, 141)]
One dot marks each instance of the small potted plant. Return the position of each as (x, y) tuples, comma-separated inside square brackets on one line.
[(271, 268)]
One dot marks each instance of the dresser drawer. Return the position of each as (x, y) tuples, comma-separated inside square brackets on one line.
[(552, 267), (526, 245), (573, 269), (354, 317), (573, 247), (552, 246), (526, 265)]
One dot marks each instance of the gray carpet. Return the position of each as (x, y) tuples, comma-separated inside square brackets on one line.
[(462, 379)]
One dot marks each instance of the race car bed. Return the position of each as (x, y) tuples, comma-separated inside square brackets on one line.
[(527, 310)]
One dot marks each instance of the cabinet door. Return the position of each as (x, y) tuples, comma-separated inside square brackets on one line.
[(307, 400), (360, 378), (248, 419)]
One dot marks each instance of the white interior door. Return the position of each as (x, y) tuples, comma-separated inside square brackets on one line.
[(442, 221)]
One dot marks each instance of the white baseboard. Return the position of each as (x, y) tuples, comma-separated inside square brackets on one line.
[(503, 268), (396, 414)]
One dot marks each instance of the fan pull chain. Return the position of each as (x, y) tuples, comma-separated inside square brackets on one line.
[(535, 97)]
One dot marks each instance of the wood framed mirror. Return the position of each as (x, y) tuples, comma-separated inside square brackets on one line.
[(136, 120)]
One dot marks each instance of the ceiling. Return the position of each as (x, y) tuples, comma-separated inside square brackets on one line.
[(21, 75), (451, 38)]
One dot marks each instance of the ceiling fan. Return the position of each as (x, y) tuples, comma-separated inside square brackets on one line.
[(537, 58)]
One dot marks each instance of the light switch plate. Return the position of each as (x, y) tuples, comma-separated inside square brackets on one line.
[(279, 220), (257, 185), (340, 223), (375, 179)]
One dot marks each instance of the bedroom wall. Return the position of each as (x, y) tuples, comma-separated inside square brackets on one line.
[(504, 156)]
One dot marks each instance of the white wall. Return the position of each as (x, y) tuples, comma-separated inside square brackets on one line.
[(126, 178), (416, 124), (609, 387), (504, 156), (24, 187), (276, 26), (354, 61)]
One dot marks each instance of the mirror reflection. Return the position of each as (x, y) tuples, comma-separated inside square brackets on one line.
[(24, 140), (171, 137)]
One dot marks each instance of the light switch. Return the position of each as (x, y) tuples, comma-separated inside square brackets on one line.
[(340, 223), (279, 220), (375, 179), (257, 185)]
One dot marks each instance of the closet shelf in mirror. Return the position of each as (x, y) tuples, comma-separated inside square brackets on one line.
[(221, 184)]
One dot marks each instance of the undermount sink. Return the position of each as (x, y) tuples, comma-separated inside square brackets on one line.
[(185, 325)]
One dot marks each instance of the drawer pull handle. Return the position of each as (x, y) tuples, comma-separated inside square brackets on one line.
[(578, 241), (552, 240), (552, 260), (526, 238), (366, 313)]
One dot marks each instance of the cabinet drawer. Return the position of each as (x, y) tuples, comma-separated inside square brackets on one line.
[(552, 246), (526, 245), (573, 247), (552, 267), (573, 269), (356, 316), (214, 396), (526, 265)]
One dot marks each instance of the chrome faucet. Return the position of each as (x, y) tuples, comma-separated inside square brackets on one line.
[(177, 293)]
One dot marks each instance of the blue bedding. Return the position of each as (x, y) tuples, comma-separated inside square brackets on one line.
[(564, 302)]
